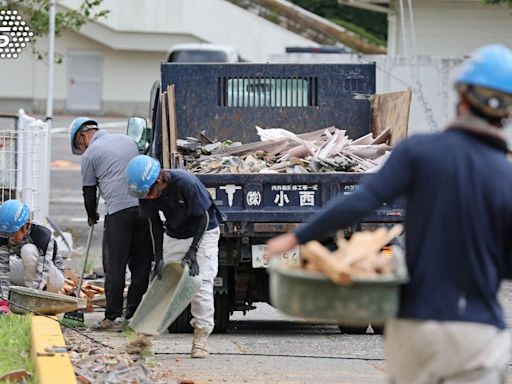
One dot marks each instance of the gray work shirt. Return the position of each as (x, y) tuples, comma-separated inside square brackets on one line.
[(104, 164)]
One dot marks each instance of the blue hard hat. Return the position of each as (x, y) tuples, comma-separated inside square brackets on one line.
[(141, 173), (74, 127), (13, 215), (490, 67)]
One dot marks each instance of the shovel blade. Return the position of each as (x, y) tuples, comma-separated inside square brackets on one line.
[(165, 299)]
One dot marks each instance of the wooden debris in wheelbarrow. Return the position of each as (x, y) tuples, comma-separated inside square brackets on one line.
[(354, 285), (89, 292), (361, 256)]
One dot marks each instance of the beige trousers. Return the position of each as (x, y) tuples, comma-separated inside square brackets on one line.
[(23, 270), (202, 305), (433, 352)]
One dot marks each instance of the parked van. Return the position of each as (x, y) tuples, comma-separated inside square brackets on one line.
[(202, 53)]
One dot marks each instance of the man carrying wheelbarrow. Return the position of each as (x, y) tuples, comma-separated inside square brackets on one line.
[(450, 327)]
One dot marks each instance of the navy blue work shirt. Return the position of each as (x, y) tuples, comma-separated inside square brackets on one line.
[(458, 187), (183, 203)]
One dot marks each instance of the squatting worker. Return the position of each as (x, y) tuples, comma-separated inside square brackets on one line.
[(191, 228), (29, 255), (126, 237), (450, 327)]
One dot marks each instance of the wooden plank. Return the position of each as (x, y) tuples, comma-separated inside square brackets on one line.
[(270, 145), (165, 131), (173, 136), (391, 110)]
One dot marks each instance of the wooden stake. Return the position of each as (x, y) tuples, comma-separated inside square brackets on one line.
[(165, 131), (173, 136)]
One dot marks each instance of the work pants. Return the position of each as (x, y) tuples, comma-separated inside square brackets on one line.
[(202, 305), (23, 270), (126, 241), (434, 352)]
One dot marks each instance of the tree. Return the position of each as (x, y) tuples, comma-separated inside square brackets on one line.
[(35, 14), (355, 19), (509, 2)]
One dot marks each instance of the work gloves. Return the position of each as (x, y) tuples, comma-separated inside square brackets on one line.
[(157, 269), (93, 220), (191, 259), (4, 307)]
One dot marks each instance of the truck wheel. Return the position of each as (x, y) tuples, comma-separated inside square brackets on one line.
[(222, 311), (182, 323)]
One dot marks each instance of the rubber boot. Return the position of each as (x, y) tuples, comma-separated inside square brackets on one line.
[(199, 348)]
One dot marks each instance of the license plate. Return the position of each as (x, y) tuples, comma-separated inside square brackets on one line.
[(260, 258)]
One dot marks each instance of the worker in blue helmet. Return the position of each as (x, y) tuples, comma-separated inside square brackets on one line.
[(191, 232), (126, 237), (29, 254), (457, 183)]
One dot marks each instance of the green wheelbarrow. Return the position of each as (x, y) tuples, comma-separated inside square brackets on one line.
[(26, 300), (312, 296)]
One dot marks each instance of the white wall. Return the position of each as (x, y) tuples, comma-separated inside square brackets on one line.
[(430, 78), (127, 77), (215, 21), (452, 27)]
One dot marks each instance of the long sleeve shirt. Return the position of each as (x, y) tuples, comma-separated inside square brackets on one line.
[(458, 188)]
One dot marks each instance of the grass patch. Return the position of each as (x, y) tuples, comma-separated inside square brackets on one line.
[(15, 344)]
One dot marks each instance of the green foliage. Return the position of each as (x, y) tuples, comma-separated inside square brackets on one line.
[(35, 14), (15, 343), (360, 31), (509, 2), (373, 23)]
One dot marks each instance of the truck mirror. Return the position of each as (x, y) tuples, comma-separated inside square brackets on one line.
[(139, 131)]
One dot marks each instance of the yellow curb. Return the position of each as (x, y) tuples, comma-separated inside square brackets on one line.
[(52, 365)]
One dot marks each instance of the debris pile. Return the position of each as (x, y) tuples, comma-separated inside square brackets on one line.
[(96, 364), (281, 151), (364, 255), (92, 293)]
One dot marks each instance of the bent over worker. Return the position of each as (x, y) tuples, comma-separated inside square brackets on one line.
[(29, 255), (191, 228), (458, 186), (126, 238)]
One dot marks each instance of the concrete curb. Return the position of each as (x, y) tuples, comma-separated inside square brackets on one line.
[(49, 354)]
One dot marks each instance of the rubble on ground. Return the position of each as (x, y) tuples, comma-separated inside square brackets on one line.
[(281, 151), (94, 363)]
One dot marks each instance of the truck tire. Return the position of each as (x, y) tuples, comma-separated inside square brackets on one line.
[(222, 312), (222, 304), (182, 323)]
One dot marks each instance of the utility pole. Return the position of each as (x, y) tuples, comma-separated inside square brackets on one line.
[(45, 200)]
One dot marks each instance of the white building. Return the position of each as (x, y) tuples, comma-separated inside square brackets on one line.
[(441, 27), (109, 65)]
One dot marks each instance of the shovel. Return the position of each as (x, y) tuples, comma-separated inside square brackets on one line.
[(79, 314), (165, 299)]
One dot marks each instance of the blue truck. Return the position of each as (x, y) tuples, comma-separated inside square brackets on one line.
[(227, 101)]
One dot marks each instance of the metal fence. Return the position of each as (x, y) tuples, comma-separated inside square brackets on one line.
[(23, 162)]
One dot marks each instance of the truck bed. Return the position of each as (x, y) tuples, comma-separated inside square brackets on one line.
[(286, 198)]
